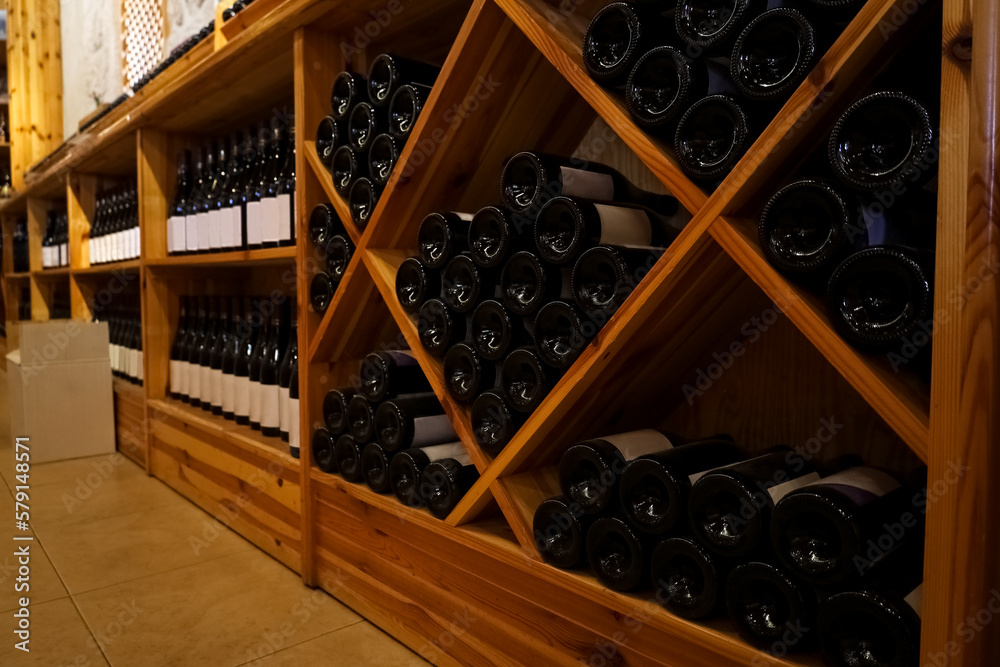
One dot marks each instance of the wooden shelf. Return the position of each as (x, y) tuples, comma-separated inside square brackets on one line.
[(45, 274), (18, 276), (126, 388), (257, 257), (130, 265)]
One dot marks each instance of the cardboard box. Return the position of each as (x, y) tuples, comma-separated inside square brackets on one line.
[(60, 391)]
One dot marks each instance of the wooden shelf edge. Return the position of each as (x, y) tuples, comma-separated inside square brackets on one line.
[(18, 276), (321, 342), (112, 267), (52, 273), (232, 258)]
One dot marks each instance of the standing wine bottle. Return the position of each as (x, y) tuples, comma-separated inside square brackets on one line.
[(323, 446), (712, 136), (270, 391), (494, 332), (493, 422), (530, 179), (618, 553), (407, 467), (189, 342), (229, 355), (256, 368), (237, 197), (194, 355), (604, 276), (525, 380), (207, 203), (254, 192), (405, 107), (655, 487), (495, 233), (687, 578), (415, 283), (360, 419), (335, 409), (527, 283), (769, 607), (439, 328), (246, 341), (441, 236), (286, 195), (346, 166), (774, 53), (821, 531), (289, 359), (270, 210), (205, 355), (222, 342), (375, 461), (566, 227), (220, 182), (466, 374), (390, 72), (561, 333), (177, 388), (464, 285), (445, 481), (348, 90), (347, 453), (560, 530), (176, 242), (391, 373), (412, 420), (730, 507), (617, 35), (294, 425), (194, 200), (590, 471)]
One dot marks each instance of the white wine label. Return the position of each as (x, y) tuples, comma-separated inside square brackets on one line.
[(182, 378), (171, 235), (133, 360), (465, 216), (206, 384), (241, 393), (228, 393), (226, 228), (624, 226), (256, 397), (779, 491), (432, 430), (175, 376), (634, 444), (580, 183), (269, 219), (137, 246), (217, 386), (270, 400), (204, 235), (237, 222), (293, 423), (64, 254), (215, 228), (452, 450), (861, 484), (190, 233), (138, 369), (254, 223), (916, 600), (283, 401), (284, 217), (194, 381)]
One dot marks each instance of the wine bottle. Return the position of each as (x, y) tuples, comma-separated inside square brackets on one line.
[(194, 355), (604, 276), (389, 72), (294, 425), (566, 227), (525, 380), (229, 355), (773, 54), (346, 166), (375, 461), (383, 153), (730, 507), (176, 241), (590, 471), (531, 179), (880, 141), (271, 218), (348, 90), (194, 200), (246, 342), (821, 531), (254, 191), (329, 137), (712, 136), (438, 327), (189, 342), (347, 453), (495, 233), (286, 195), (335, 409), (769, 607), (360, 419), (236, 198), (412, 420), (494, 424), (560, 530), (618, 34), (321, 290), (407, 467), (527, 283), (289, 360), (464, 285), (688, 579), (177, 388), (260, 353), (205, 382), (561, 333), (415, 283), (618, 553), (323, 455), (494, 332), (215, 360), (362, 200), (364, 123), (655, 487), (218, 190), (323, 225), (445, 481), (466, 374), (710, 26), (270, 390), (207, 202), (338, 257), (391, 373), (441, 236), (665, 82), (405, 107)]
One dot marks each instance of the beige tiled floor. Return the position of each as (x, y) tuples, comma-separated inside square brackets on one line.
[(115, 581)]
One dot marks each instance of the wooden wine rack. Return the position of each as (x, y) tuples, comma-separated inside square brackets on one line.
[(472, 589)]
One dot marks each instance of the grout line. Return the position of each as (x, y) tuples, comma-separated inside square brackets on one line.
[(361, 619)]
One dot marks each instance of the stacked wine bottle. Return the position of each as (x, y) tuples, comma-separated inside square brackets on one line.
[(510, 296), (239, 358), (55, 243), (114, 234), (706, 76), (125, 338), (335, 248), (370, 119), (797, 552), (390, 431), (236, 8), (241, 194)]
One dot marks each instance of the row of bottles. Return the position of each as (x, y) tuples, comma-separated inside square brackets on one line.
[(19, 245), (510, 296), (708, 77), (114, 234), (390, 431), (776, 539), (332, 242), (239, 358), (55, 242), (235, 8), (370, 119), (125, 338), (240, 193)]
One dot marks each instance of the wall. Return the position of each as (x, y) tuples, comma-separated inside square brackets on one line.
[(91, 50), (185, 18)]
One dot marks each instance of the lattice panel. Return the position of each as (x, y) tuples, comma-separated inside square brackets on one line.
[(142, 37)]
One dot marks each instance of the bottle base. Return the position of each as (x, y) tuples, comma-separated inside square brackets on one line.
[(269, 432), (195, 402), (242, 420), (255, 426), (207, 407), (228, 415), (217, 411), (284, 436)]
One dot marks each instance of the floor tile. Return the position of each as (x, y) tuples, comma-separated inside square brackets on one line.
[(91, 470), (104, 552), (225, 610), (359, 644), (43, 581), (59, 637)]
